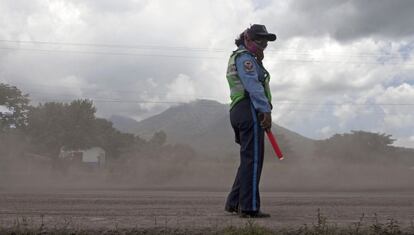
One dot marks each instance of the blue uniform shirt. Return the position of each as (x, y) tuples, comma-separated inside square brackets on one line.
[(251, 74)]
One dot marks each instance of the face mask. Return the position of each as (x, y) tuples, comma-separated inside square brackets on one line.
[(255, 46), (252, 47)]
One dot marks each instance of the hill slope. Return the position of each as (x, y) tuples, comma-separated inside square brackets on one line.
[(205, 126)]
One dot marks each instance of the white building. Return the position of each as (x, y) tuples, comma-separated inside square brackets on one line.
[(94, 156)]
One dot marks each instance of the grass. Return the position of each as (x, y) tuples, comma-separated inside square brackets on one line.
[(24, 226)]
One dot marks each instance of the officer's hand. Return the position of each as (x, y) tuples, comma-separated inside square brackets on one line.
[(265, 121)]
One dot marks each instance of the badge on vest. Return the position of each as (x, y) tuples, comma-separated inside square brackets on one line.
[(248, 66)]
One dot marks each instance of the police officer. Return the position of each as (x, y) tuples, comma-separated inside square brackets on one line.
[(250, 116)]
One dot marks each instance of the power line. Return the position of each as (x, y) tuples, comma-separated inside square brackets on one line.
[(352, 104), (285, 110), (123, 91), (44, 99), (279, 102), (182, 48), (113, 92), (182, 102), (162, 47), (102, 45), (322, 109), (109, 53), (52, 95), (197, 56)]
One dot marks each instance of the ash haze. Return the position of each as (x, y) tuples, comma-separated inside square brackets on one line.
[(336, 66)]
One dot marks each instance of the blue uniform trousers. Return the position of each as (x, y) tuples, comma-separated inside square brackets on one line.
[(244, 194)]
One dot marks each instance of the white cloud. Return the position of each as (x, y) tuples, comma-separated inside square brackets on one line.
[(404, 94), (405, 142), (73, 84), (398, 120), (398, 106), (330, 58), (181, 89), (326, 132), (344, 113)]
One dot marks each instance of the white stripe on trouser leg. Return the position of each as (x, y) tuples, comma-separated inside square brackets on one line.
[(255, 157)]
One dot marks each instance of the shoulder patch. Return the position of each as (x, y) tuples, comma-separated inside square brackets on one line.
[(248, 66)]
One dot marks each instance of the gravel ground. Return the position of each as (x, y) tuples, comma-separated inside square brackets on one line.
[(193, 209)]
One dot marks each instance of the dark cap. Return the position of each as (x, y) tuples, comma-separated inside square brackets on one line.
[(260, 31)]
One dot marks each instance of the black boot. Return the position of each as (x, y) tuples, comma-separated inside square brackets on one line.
[(231, 209), (253, 214)]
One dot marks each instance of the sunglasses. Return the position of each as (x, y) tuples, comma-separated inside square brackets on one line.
[(261, 43)]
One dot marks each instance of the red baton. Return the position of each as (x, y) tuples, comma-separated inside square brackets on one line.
[(275, 146)]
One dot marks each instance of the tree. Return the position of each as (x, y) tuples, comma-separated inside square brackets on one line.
[(73, 126), (158, 139), (17, 104), (111, 140), (357, 146), (80, 128), (56, 125), (14, 107)]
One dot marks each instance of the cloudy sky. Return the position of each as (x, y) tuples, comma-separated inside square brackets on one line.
[(337, 65)]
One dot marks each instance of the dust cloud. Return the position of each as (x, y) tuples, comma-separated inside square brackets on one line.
[(295, 173)]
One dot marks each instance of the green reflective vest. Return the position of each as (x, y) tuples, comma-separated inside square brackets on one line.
[(237, 91)]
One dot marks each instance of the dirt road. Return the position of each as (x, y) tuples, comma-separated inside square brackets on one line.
[(194, 209)]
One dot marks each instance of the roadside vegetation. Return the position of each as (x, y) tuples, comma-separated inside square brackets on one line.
[(24, 226), (38, 134), (35, 136)]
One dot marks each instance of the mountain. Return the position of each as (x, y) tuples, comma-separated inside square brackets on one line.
[(122, 123), (205, 126)]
